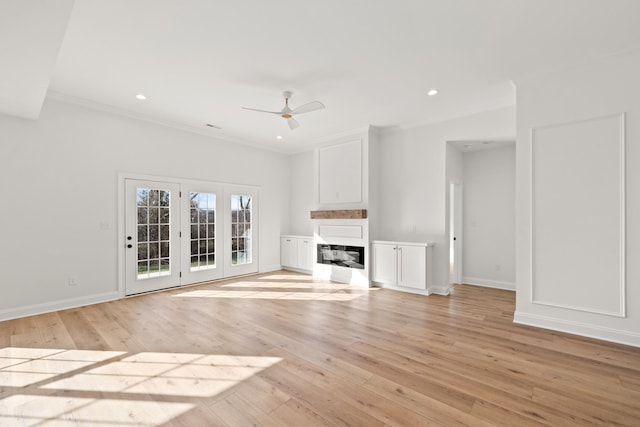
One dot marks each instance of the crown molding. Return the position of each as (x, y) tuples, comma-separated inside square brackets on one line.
[(96, 106)]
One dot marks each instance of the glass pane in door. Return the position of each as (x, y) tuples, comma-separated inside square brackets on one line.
[(154, 231), (241, 250), (202, 208)]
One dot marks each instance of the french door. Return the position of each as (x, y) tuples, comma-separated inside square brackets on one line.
[(202, 241), (241, 231), (188, 232), (152, 236)]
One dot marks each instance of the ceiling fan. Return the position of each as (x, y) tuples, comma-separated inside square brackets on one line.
[(288, 113)]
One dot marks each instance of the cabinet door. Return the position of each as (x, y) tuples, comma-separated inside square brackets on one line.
[(412, 266), (289, 252), (340, 173), (305, 254), (384, 263)]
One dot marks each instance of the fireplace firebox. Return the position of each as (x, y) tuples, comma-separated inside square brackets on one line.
[(341, 255)]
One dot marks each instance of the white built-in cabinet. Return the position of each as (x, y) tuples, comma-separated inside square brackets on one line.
[(401, 265), (296, 252)]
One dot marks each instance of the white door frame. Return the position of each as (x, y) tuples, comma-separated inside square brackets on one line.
[(455, 229)]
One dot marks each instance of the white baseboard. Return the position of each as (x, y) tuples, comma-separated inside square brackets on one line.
[(439, 291), (402, 289), (578, 328), (48, 307), (270, 268), (426, 292), (297, 270), (476, 281)]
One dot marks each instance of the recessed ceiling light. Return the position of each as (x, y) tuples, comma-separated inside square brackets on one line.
[(141, 96), (279, 137), (432, 92)]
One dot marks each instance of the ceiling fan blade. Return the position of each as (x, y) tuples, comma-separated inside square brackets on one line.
[(293, 123), (306, 108), (262, 111)]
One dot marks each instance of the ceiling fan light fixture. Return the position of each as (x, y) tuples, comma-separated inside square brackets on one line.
[(287, 112)]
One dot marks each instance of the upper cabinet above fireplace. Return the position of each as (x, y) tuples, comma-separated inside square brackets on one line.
[(340, 174)]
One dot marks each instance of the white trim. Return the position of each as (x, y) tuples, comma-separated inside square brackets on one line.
[(623, 214), (341, 231), (416, 291), (456, 204), (271, 268), (488, 283), (446, 118), (439, 291), (578, 328), (92, 105), (297, 270), (622, 207), (48, 307)]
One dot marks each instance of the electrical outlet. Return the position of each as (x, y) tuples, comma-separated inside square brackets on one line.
[(413, 229), (73, 281)]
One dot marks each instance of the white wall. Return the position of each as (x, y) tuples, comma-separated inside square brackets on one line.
[(489, 200), (301, 195), (607, 87), (58, 177), (413, 180)]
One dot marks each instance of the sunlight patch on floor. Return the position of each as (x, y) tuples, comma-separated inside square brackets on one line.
[(297, 296), (27, 410), (297, 278), (287, 285), (40, 376)]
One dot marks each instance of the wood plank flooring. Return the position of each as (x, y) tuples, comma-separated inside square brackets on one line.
[(282, 349)]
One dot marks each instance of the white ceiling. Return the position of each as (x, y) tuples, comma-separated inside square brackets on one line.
[(31, 33), (369, 62)]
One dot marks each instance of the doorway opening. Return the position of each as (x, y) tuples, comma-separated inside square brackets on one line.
[(455, 233)]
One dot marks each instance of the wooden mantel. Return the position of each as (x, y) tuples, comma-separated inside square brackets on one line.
[(340, 214)]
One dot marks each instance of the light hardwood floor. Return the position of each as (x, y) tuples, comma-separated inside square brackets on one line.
[(282, 349)]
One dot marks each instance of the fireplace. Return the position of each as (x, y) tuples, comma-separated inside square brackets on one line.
[(341, 255), (342, 241)]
